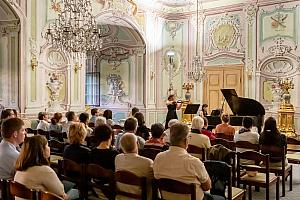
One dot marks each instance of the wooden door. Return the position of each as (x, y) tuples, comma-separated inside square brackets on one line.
[(219, 77)]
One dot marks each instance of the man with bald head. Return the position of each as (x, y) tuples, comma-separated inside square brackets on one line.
[(132, 162)]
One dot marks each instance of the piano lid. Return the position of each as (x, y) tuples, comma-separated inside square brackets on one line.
[(242, 106)]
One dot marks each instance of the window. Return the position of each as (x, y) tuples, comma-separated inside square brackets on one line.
[(92, 84)]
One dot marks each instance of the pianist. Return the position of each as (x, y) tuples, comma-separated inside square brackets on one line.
[(225, 128)]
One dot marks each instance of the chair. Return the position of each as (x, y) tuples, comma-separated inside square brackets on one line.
[(173, 186), (56, 135), (224, 136), (150, 151), (222, 178), (91, 141), (56, 147), (102, 179), (29, 130), (42, 195), (129, 178), (73, 172), (44, 133), (227, 143), (263, 178), (19, 190), (247, 145), (201, 152), (293, 141), (278, 153), (3, 189)]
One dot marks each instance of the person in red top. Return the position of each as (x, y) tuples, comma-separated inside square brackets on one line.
[(157, 131), (225, 127), (206, 132)]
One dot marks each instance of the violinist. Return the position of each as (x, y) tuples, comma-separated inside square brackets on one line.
[(172, 105)]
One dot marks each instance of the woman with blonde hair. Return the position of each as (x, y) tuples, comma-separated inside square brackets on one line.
[(76, 151), (33, 168)]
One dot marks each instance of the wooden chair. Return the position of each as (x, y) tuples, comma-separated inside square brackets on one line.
[(19, 190), (56, 147), (222, 178), (44, 133), (73, 172), (102, 179), (3, 189), (293, 141), (29, 130), (224, 136), (43, 195), (247, 145), (293, 147), (197, 151), (227, 143), (278, 153), (263, 177), (173, 186), (56, 135), (129, 178), (150, 151)]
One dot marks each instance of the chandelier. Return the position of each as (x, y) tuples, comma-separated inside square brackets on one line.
[(197, 71), (75, 30)]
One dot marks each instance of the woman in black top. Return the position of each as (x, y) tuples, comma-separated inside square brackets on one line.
[(172, 106), (104, 155), (142, 129), (203, 112)]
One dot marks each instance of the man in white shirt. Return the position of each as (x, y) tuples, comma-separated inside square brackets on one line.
[(177, 164), (43, 123), (132, 162), (13, 133)]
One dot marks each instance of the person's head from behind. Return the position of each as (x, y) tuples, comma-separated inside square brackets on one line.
[(103, 133), (171, 97), (84, 118), (100, 120), (7, 113), (56, 118), (134, 110), (197, 123), (270, 126), (247, 122), (43, 116), (157, 130), (204, 107), (225, 118), (77, 133), (107, 114), (140, 118), (71, 116), (172, 121), (95, 112), (129, 143), (13, 130), (130, 125), (178, 135), (35, 152)]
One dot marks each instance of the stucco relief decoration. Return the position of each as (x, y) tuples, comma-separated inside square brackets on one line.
[(279, 49), (7, 27), (54, 85), (225, 35), (278, 67), (172, 27), (116, 90), (115, 55), (55, 59), (120, 7), (251, 11)]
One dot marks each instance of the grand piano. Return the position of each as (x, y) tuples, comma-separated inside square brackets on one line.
[(240, 107)]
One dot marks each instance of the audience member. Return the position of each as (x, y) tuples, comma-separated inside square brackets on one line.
[(104, 154), (196, 138), (33, 168), (272, 137), (133, 111), (95, 112), (100, 121), (72, 118), (55, 124), (76, 151), (108, 116), (206, 132), (167, 132), (84, 118), (203, 112), (130, 126), (142, 129), (157, 133), (225, 127), (13, 134), (43, 123), (7, 113), (132, 162), (177, 164)]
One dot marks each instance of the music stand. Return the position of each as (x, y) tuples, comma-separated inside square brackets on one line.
[(191, 109)]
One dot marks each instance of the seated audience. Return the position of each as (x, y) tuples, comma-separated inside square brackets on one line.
[(7, 114), (245, 133), (177, 164), (203, 112), (84, 118), (13, 134), (157, 131), (55, 124), (95, 112), (108, 116), (132, 162), (272, 137), (100, 121), (43, 123), (133, 111), (104, 154), (196, 138), (33, 168), (76, 151), (130, 126), (225, 127), (206, 132), (142, 129), (72, 118), (167, 132)]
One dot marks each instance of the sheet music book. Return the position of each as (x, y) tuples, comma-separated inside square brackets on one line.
[(192, 109)]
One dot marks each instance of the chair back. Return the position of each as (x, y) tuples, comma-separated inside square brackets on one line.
[(150, 151), (277, 154), (226, 143), (220, 178), (91, 141), (192, 149), (224, 136), (293, 141), (3, 189), (129, 178), (56, 147), (56, 135), (30, 130), (173, 186), (19, 190), (246, 145), (44, 133), (43, 195)]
